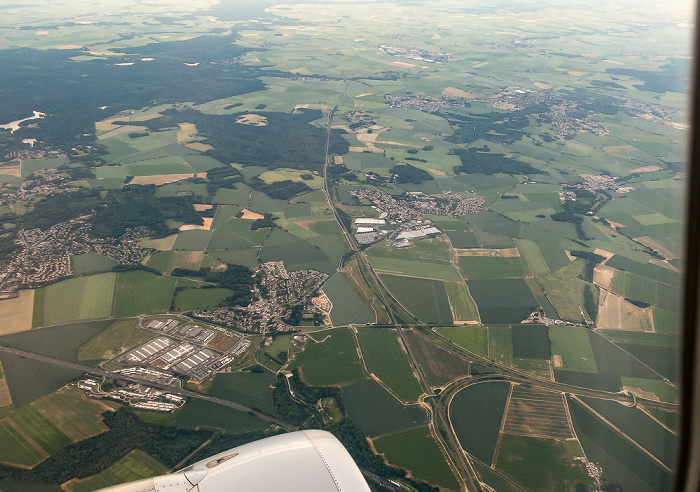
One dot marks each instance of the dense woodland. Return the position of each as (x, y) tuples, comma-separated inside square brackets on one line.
[(482, 161), (287, 140)]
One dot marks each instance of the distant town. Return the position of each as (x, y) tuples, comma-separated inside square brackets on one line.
[(280, 293)]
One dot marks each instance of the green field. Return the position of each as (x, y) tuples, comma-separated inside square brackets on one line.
[(531, 341), (641, 428), (195, 240), (330, 361), (500, 344), (540, 465), (439, 365), (463, 308), (274, 356), (502, 301), (74, 299), (88, 263), (118, 336), (416, 451), (142, 293), (16, 449), (476, 413), (347, 304), (479, 267), (424, 298), (415, 268), (134, 466), (664, 391), (472, 338), (376, 412), (574, 347), (190, 299), (386, 358), (30, 379), (34, 425), (198, 414), (533, 256), (495, 480), (624, 463), (247, 388), (60, 342), (633, 286), (72, 413)]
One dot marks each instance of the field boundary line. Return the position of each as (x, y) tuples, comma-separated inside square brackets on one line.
[(623, 434), (568, 417), (674, 432), (494, 459), (31, 442)]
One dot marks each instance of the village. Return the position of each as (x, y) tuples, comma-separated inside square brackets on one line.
[(44, 256), (415, 54), (278, 296)]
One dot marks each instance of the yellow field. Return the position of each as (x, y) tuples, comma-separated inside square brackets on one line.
[(77, 416), (16, 314), (602, 276), (614, 313), (202, 147), (293, 175), (306, 224), (162, 244), (618, 148), (160, 179), (11, 170), (401, 64), (650, 243), (252, 120), (247, 214), (186, 132), (201, 207), (191, 260), (500, 253), (206, 226), (454, 92)]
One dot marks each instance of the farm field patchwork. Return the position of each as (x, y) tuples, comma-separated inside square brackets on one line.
[(540, 464), (491, 296), (74, 299), (472, 338), (385, 357), (375, 411), (538, 413), (439, 365), (88, 263), (134, 466), (142, 293), (531, 341), (476, 413), (190, 299), (348, 307), (426, 299), (623, 462), (481, 267), (639, 427), (203, 414), (17, 313), (330, 360), (247, 388), (416, 451), (116, 337), (72, 413), (571, 349), (463, 308)]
